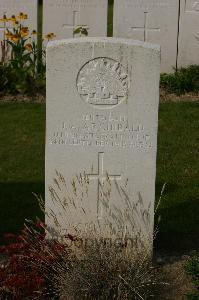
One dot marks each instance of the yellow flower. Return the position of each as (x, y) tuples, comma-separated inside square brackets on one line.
[(4, 19), (50, 36), (9, 35), (28, 47), (34, 32), (22, 16), (24, 31), (13, 18), (15, 37)]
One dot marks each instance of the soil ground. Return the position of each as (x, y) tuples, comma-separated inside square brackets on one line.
[(172, 271), (164, 97)]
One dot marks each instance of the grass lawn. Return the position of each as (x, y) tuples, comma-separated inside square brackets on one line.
[(22, 129), (178, 166), (22, 136)]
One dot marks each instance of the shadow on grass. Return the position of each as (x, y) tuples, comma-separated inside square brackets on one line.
[(169, 188), (177, 221), (178, 226), (18, 203), (176, 243)]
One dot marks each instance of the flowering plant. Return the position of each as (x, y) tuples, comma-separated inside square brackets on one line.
[(29, 259), (22, 62), (81, 263)]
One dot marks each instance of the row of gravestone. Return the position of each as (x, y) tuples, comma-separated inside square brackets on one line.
[(173, 24)]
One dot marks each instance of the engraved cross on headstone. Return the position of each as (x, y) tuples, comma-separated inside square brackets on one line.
[(145, 28), (101, 176), (75, 23)]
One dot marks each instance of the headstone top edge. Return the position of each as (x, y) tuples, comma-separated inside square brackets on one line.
[(107, 40)]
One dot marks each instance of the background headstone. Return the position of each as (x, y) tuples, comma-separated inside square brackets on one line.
[(63, 17), (154, 21), (189, 33), (14, 7), (102, 118)]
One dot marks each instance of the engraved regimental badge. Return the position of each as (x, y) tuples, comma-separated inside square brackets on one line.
[(103, 82)]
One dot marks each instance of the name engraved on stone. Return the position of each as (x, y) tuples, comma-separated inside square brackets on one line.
[(100, 130), (103, 82), (192, 6), (74, 4), (147, 4), (19, 4)]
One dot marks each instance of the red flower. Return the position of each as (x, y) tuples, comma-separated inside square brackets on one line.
[(29, 256), (9, 236), (2, 249)]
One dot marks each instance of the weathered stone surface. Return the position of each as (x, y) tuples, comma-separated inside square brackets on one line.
[(102, 119), (154, 21), (189, 33), (63, 17)]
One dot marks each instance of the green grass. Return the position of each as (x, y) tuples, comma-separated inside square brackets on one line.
[(178, 166), (192, 269), (22, 128), (183, 80), (22, 132)]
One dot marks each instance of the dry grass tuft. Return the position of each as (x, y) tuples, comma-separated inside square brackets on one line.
[(109, 259)]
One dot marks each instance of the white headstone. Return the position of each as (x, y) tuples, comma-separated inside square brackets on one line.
[(14, 7), (102, 119), (154, 21), (189, 33), (63, 17)]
